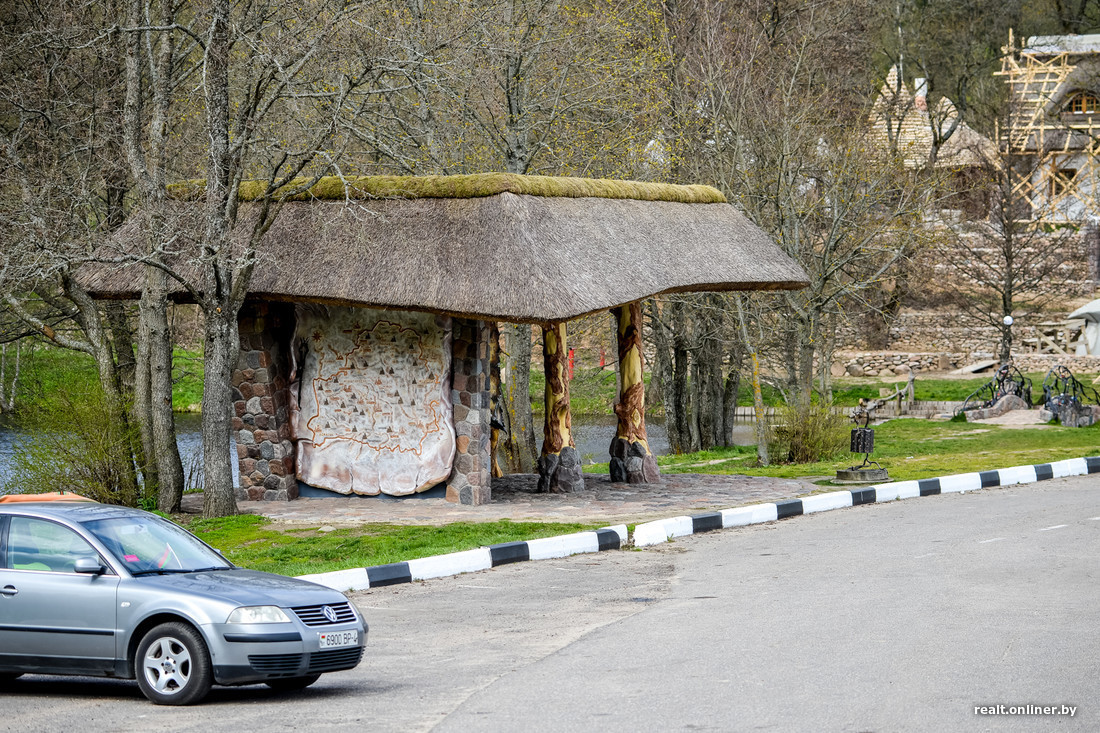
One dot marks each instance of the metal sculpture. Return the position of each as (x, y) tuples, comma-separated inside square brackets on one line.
[(1067, 398), (863, 438), (1007, 381)]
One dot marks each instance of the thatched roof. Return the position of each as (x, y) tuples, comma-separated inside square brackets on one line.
[(476, 185), (504, 256)]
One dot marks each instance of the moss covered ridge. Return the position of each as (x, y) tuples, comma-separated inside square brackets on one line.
[(461, 187)]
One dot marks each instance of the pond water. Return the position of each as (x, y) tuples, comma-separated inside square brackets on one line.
[(592, 435), (188, 437)]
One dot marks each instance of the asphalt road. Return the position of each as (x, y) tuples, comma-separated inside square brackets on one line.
[(902, 616)]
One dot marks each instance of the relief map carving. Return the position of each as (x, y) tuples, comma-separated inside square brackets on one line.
[(370, 401)]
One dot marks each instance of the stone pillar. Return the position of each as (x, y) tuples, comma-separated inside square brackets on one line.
[(631, 461), (470, 480), (261, 403), (559, 464)]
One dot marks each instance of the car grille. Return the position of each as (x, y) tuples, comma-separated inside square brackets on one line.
[(315, 615), (275, 663), (334, 659)]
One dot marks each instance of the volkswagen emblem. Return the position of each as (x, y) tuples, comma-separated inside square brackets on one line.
[(330, 614)]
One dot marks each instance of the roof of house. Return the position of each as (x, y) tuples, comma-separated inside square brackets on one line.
[(491, 247), (897, 109)]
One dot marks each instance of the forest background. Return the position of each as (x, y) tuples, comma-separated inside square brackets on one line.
[(105, 105)]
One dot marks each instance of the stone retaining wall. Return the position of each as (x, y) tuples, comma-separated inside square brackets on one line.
[(889, 363)]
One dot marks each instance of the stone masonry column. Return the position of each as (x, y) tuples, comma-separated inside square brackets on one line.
[(470, 479), (631, 461), (261, 403), (559, 464)]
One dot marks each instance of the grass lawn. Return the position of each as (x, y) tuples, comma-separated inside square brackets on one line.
[(592, 391), (912, 449), (254, 542)]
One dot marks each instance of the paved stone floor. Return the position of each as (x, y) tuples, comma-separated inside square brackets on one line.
[(514, 497)]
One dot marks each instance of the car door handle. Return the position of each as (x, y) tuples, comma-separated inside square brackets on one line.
[(8, 590)]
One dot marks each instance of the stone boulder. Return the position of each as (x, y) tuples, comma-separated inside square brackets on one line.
[(1006, 404)]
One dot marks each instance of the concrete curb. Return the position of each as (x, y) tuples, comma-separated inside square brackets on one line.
[(483, 558), (662, 530)]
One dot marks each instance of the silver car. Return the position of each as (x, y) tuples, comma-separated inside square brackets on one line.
[(94, 589)]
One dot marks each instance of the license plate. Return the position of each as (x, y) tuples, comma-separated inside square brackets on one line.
[(333, 639)]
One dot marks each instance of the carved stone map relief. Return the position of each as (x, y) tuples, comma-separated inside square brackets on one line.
[(370, 402)]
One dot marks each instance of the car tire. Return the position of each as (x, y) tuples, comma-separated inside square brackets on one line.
[(172, 665), (290, 684)]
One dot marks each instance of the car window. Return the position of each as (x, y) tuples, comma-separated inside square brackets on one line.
[(37, 544), (148, 544)]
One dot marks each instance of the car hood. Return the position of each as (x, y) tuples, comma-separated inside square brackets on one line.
[(244, 587)]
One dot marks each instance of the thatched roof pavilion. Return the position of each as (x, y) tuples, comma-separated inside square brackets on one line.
[(497, 246), (373, 401)]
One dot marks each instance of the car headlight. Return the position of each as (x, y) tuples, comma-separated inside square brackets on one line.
[(258, 615)]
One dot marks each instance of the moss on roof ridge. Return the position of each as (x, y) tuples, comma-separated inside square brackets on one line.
[(469, 186)]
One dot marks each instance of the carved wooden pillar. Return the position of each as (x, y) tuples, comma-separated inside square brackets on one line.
[(631, 461), (559, 464)]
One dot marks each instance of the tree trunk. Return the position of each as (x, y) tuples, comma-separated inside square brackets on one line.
[(158, 350), (677, 408), (221, 352), (122, 337), (761, 427), (730, 392), (631, 460), (519, 443), (662, 369), (118, 427), (142, 413), (806, 340), (559, 464), (1006, 343)]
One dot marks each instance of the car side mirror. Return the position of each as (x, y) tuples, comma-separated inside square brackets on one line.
[(88, 566)]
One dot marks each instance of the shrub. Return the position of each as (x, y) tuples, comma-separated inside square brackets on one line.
[(808, 433), (68, 443)]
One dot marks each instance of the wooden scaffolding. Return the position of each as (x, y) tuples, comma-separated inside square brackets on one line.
[(1052, 152)]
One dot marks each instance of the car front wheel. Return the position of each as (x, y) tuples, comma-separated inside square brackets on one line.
[(173, 665)]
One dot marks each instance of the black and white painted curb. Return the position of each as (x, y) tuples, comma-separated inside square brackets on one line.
[(483, 558), (662, 530), (652, 533)]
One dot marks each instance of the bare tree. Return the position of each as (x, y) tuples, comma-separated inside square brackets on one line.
[(61, 183), (1013, 263), (273, 93)]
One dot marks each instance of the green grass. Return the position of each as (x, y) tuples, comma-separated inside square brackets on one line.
[(186, 380), (49, 370), (257, 543), (592, 390), (911, 449)]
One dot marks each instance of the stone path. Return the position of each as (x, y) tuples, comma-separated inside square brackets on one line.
[(515, 498), (1015, 419)]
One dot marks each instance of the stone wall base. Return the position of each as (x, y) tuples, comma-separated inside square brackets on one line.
[(561, 473), (631, 463)]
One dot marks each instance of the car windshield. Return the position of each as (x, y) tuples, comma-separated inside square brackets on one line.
[(149, 544)]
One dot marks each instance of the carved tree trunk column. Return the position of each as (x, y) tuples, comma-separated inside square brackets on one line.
[(559, 464), (631, 461)]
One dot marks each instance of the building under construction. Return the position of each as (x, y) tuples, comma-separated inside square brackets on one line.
[(1053, 129)]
